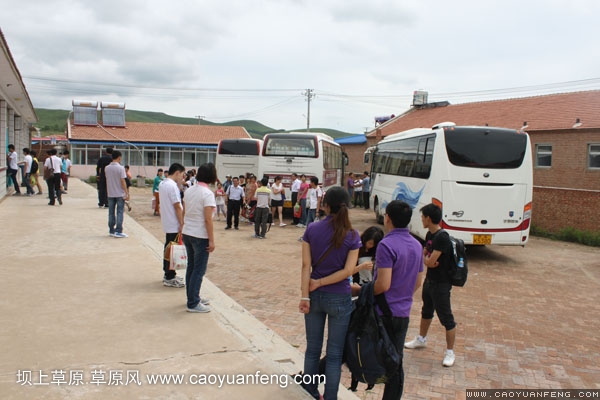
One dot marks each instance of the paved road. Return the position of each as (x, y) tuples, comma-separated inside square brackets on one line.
[(528, 317)]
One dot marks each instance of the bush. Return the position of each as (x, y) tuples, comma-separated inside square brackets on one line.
[(569, 234), (91, 179)]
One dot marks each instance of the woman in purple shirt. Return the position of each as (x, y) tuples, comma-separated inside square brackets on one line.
[(329, 254)]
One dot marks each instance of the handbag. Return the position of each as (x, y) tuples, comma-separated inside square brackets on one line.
[(176, 254), (48, 172)]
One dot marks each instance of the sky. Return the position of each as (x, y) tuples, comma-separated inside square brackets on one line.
[(256, 59)]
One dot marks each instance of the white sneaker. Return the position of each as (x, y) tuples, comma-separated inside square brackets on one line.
[(205, 301), (416, 343), (173, 283), (282, 225), (200, 308), (179, 278), (121, 235), (448, 359)]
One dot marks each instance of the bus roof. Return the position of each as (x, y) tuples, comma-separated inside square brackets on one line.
[(306, 134)]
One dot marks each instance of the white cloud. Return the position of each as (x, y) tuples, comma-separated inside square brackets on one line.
[(377, 48)]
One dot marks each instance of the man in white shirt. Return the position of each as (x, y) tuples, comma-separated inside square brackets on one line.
[(117, 194), (53, 164), (13, 167), (171, 217), (235, 199), (296, 182), (28, 163)]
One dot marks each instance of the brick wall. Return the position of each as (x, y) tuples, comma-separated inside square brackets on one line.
[(554, 209), (356, 157)]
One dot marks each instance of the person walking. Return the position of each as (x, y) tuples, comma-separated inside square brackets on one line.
[(36, 174), (28, 160), (65, 171), (302, 195), (398, 274), (13, 168), (117, 194), (437, 287), (220, 201), (235, 199), (171, 217), (329, 255), (198, 235), (53, 165), (261, 214), (315, 194)]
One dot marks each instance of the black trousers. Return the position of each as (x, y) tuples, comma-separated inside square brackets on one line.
[(233, 211), (396, 328), (366, 196), (294, 201), (169, 237), (54, 188), (102, 192)]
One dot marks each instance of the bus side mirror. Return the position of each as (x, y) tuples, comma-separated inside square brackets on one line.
[(367, 158)]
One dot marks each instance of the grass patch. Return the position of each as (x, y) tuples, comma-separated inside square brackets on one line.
[(569, 234)]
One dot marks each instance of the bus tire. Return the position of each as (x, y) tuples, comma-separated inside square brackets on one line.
[(378, 215)]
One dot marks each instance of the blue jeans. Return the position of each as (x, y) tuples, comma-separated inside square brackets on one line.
[(303, 216), (197, 261), (310, 216), (119, 202), (337, 309)]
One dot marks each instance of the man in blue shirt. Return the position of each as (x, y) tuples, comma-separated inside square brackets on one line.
[(366, 188)]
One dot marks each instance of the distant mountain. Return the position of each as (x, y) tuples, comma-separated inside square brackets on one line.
[(54, 122)]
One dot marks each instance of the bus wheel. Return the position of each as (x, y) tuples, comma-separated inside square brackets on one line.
[(378, 215)]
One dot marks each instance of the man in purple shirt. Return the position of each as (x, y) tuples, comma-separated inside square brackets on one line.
[(398, 274)]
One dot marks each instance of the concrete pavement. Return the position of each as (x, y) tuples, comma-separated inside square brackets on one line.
[(78, 306)]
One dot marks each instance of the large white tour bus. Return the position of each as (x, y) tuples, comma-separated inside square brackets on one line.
[(480, 176), (308, 153), (237, 157)]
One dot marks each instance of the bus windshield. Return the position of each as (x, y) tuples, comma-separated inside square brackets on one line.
[(241, 147), (485, 147), (288, 145)]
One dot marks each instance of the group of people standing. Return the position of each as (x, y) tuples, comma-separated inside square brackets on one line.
[(56, 171), (330, 254), (359, 189)]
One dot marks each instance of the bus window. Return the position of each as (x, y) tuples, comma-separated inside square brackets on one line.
[(485, 148)]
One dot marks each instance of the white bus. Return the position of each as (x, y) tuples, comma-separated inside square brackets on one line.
[(309, 153), (237, 157), (480, 176)]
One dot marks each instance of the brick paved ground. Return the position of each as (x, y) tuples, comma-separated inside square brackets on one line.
[(528, 317)]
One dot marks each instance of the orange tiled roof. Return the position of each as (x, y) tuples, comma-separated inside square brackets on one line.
[(159, 133), (550, 112)]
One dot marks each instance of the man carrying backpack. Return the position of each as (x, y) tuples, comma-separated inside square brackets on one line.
[(438, 255), (398, 274)]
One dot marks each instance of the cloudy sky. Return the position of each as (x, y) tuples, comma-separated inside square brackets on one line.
[(254, 59)]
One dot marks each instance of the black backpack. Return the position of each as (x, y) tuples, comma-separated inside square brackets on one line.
[(34, 166), (458, 272), (369, 352)]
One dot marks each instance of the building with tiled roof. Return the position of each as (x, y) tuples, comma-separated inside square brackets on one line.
[(145, 146), (564, 130), (16, 114)]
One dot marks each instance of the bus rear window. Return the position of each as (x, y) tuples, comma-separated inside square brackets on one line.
[(290, 146), (485, 147), (239, 147)]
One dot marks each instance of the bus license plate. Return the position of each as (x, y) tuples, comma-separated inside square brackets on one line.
[(482, 239)]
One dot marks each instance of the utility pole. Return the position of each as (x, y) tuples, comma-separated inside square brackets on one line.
[(309, 93), (200, 118)]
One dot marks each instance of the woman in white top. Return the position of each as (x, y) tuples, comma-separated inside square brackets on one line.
[(277, 193), (198, 235)]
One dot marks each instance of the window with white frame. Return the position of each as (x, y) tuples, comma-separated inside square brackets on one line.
[(594, 156), (543, 155)]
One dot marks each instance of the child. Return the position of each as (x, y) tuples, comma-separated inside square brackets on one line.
[(220, 201)]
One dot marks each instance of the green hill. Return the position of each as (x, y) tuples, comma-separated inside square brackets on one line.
[(54, 122)]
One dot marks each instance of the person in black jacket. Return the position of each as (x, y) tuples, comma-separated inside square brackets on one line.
[(101, 178)]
